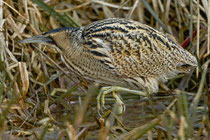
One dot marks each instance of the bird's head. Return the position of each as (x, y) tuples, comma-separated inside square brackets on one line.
[(60, 37)]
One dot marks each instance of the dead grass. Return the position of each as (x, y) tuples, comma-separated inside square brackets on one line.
[(39, 99)]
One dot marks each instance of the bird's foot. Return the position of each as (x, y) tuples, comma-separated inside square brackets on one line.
[(112, 89)]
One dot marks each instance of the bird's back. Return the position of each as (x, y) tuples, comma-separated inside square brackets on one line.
[(134, 49)]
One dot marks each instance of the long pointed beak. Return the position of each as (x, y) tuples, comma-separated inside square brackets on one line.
[(38, 39)]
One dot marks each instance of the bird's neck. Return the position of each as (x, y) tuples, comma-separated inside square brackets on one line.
[(69, 42)]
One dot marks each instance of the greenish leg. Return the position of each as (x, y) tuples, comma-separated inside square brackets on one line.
[(110, 89)]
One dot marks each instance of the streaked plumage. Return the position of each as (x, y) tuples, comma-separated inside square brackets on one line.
[(119, 52)]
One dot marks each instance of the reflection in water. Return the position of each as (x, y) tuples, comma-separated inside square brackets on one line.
[(140, 112)]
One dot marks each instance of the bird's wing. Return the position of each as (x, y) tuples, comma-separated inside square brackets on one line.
[(130, 48)]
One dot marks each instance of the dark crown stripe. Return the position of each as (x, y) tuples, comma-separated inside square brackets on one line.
[(57, 30)]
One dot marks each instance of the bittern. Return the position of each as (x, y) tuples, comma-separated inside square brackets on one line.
[(122, 54)]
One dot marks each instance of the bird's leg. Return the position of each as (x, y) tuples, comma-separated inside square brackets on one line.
[(103, 92), (110, 89)]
